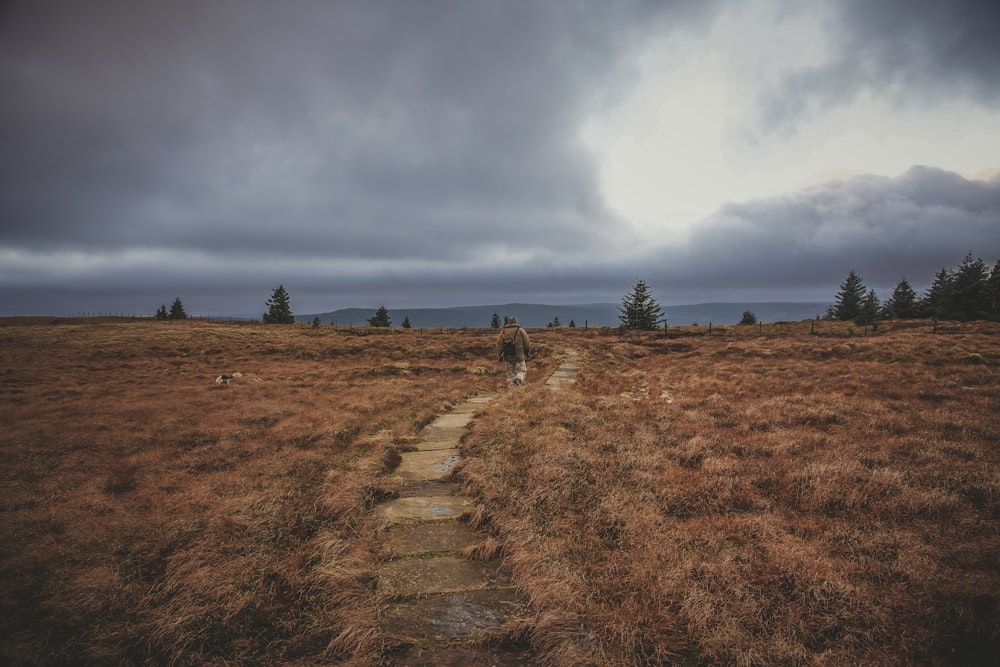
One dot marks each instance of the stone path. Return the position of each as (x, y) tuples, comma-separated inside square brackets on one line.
[(565, 375), (445, 605)]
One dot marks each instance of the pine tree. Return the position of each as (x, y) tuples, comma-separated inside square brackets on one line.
[(177, 310), (639, 311), (849, 300), (870, 309), (748, 317), (902, 303), (406, 322), (279, 310), (161, 313), (993, 292), (937, 300), (495, 320), (380, 318), (970, 290)]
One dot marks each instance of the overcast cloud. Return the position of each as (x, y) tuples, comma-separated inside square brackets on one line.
[(467, 152)]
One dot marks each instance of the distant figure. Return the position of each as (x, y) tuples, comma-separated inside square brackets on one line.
[(514, 348)]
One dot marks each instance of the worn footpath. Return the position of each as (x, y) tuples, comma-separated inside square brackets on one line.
[(451, 601)]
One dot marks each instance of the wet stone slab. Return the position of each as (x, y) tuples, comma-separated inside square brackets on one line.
[(426, 487), (462, 656), (422, 576), (473, 404), (431, 465), (427, 538), (566, 374), (426, 508), (447, 616), (433, 445)]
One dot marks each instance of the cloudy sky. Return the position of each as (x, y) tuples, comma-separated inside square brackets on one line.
[(464, 152)]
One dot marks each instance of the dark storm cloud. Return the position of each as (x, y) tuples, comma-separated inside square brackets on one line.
[(361, 152), (908, 52), (381, 129), (887, 229)]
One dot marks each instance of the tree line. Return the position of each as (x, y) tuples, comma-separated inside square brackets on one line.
[(970, 291), (967, 292)]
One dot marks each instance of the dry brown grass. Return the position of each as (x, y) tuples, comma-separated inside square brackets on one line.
[(728, 499), (150, 515), (756, 500)]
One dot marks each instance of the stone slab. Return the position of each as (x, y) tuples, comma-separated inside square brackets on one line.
[(431, 465), (411, 488), (566, 373), (423, 576), (426, 508), (473, 405), (433, 432), (437, 443), (427, 538), (450, 616), (462, 656)]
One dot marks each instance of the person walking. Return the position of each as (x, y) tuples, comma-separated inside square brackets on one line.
[(514, 348)]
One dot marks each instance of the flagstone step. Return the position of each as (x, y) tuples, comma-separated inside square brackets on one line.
[(436, 444), (423, 576), (418, 539), (432, 465), (426, 508), (413, 488), (567, 371), (451, 616), (463, 656)]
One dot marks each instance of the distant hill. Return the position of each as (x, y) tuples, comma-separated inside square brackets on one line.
[(589, 314)]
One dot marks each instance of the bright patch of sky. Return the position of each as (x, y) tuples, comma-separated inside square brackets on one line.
[(690, 136)]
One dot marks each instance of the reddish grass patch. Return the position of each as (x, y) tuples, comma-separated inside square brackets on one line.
[(731, 498), (756, 500), (151, 515)]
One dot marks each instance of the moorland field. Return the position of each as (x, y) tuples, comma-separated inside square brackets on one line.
[(765, 495)]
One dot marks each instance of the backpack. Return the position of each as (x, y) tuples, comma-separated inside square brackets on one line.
[(509, 349)]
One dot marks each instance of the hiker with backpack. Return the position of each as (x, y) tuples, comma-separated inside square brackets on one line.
[(514, 348)]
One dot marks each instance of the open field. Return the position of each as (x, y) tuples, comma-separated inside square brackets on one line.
[(755, 496)]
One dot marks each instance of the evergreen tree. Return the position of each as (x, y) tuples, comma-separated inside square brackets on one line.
[(572, 324), (495, 320), (161, 313), (380, 318), (406, 322), (993, 292), (870, 309), (177, 310), (902, 304), (316, 322), (555, 322), (748, 317), (279, 310), (937, 301), (639, 311), (970, 290), (849, 300)]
